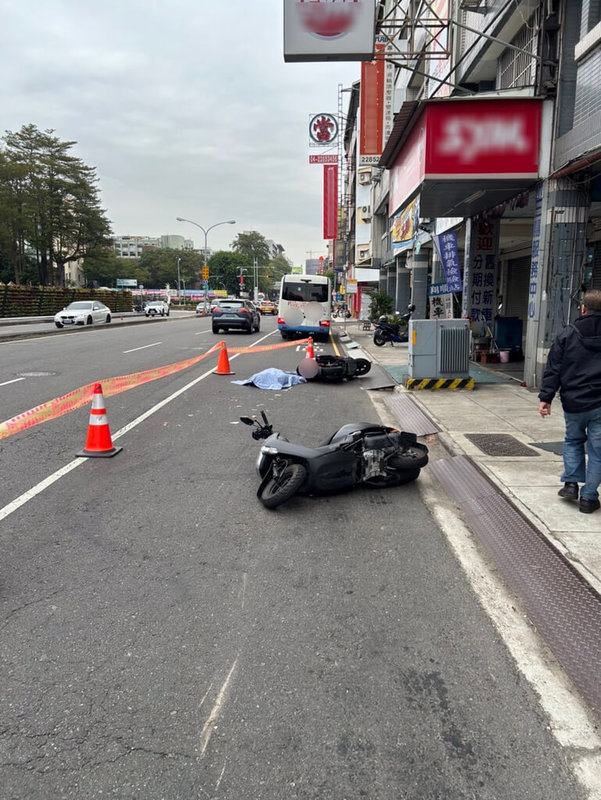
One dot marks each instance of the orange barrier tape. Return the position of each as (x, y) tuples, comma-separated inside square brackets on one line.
[(265, 347), (112, 386)]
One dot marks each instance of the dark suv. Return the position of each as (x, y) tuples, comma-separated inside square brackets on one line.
[(236, 313)]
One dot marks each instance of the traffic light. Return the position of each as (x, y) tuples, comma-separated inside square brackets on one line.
[(205, 273)]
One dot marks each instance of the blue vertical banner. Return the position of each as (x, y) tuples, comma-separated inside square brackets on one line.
[(448, 253), (536, 246)]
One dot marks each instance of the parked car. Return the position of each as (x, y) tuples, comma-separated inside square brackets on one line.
[(237, 314), (268, 307), (200, 308), (156, 308), (83, 312)]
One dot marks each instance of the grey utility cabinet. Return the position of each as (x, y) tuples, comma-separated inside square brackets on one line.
[(439, 348)]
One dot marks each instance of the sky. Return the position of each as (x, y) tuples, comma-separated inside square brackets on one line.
[(185, 108)]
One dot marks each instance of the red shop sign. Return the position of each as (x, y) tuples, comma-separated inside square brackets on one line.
[(483, 137)]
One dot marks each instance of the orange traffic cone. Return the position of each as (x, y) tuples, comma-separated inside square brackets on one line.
[(223, 363), (310, 350), (99, 443)]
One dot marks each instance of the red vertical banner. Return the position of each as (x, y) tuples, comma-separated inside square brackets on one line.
[(330, 201), (371, 108)]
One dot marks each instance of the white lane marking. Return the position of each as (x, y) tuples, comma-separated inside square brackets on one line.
[(14, 380), (209, 725), (31, 493), (144, 346), (38, 488)]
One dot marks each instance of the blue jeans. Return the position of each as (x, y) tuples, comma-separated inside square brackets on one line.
[(580, 428)]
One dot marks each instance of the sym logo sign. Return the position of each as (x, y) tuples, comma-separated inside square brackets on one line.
[(329, 30), (483, 137), (468, 139)]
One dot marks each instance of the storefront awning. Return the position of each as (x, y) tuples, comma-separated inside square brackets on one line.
[(462, 156)]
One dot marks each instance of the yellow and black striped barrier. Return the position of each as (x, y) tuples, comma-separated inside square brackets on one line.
[(439, 383)]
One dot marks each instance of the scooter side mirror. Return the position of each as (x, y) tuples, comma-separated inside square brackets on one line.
[(247, 420)]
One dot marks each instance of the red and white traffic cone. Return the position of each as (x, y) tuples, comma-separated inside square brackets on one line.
[(308, 367), (223, 362), (99, 443)]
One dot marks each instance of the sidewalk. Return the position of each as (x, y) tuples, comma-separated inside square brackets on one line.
[(530, 480)]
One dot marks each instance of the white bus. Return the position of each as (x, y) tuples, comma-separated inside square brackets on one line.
[(305, 306)]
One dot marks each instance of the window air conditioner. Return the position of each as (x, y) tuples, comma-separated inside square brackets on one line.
[(365, 177), (366, 213)]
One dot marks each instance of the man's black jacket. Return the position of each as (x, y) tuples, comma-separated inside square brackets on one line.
[(574, 366)]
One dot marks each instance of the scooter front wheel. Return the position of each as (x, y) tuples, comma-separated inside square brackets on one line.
[(282, 487), (379, 339)]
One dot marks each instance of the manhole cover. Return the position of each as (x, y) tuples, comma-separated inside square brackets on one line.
[(35, 374), (500, 444)]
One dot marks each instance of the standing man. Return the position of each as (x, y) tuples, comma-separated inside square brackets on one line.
[(574, 368)]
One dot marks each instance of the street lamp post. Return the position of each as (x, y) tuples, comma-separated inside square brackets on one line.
[(206, 233), (179, 285)]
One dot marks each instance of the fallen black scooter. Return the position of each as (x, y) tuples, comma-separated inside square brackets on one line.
[(358, 452), (391, 331), (334, 369)]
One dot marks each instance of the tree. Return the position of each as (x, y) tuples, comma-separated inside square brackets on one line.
[(161, 266), (225, 269), (51, 202), (381, 304), (102, 268), (252, 245), (268, 278)]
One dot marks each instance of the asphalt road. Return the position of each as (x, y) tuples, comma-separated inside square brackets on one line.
[(165, 636)]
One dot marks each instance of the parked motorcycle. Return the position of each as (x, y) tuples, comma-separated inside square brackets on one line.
[(391, 331), (333, 369), (357, 453)]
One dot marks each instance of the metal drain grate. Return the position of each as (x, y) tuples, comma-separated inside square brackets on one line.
[(500, 444), (410, 416), (564, 608)]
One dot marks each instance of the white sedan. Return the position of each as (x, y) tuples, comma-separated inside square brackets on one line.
[(82, 312)]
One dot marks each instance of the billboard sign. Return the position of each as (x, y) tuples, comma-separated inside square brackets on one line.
[(330, 201), (405, 226), (329, 30), (323, 130), (371, 110), (484, 137), (325, 159)]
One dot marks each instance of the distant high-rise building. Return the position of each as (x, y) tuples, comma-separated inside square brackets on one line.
[(134, 246)]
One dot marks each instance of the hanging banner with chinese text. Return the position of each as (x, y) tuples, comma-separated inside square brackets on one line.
[(448, 253)]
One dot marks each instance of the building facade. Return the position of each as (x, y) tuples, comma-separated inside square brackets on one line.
[(484, 199), (134, 246)]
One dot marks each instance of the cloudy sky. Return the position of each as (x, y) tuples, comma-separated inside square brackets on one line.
[(184, 107)]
